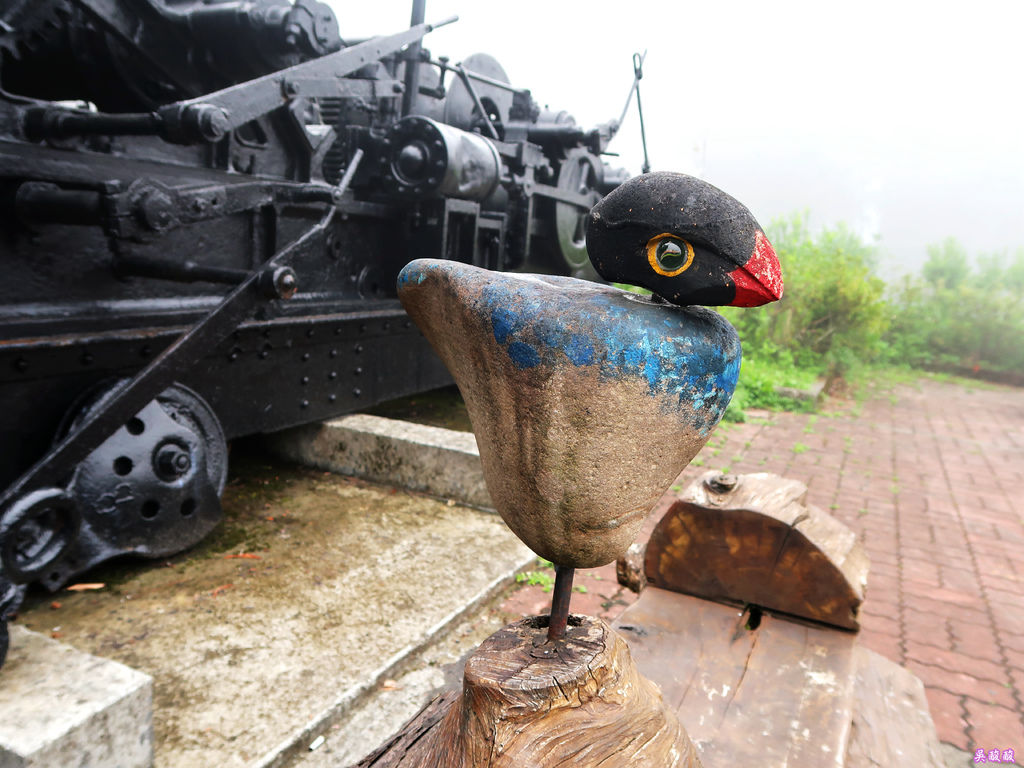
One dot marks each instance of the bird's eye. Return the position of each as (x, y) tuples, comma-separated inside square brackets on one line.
[(669, 255)]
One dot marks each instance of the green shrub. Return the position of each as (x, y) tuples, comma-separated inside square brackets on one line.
[(956, 315), (833, 313)]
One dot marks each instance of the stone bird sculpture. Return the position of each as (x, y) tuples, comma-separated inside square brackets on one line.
[(587, 401)]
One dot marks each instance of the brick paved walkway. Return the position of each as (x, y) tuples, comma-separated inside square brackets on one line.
[(931, 477)]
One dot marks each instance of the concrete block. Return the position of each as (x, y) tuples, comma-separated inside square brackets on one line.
[(63, 708), (811, 394), (434, 460)]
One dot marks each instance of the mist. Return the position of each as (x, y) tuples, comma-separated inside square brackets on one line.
[(904, 121)]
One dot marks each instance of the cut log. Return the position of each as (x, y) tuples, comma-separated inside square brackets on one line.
[(527, 703), (751, 540)]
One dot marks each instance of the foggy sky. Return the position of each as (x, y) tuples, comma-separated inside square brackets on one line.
[(903, 119)]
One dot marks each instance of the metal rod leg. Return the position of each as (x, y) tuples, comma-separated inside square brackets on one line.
[(560, 602)]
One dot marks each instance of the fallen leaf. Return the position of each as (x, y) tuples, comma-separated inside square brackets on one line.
[(244, 556), (85, 587), (54, 605), (56, 635), (389, 685), (222, 588)]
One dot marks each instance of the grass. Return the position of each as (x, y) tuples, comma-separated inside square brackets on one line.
[(543, 576), (758, 387)]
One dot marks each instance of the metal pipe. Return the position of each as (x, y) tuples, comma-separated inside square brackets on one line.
[(442, 64), (412, 60), (560, 602)]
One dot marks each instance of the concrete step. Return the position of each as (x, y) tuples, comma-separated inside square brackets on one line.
[(316, 593), (62, 707), (441, 462)]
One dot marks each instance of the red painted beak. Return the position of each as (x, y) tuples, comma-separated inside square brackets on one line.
[(759, 281)]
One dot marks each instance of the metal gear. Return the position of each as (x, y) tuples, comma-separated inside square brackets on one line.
[(580, 173)]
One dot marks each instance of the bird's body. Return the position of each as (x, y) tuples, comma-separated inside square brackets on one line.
[(586, 400)]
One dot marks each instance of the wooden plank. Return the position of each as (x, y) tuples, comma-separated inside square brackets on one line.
[(777, 695), (757, 543), (891, 721)]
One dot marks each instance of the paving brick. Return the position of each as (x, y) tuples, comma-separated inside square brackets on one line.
[(881, 624), (984, 691), (931, 609), (973, 639), (983, 669), (993, 726), (1009, 618), (1001, 597), (1015, 656), (881, 604), (948, 714), (883, 643)]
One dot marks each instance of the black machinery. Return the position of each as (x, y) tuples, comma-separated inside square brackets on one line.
[(204, 205)]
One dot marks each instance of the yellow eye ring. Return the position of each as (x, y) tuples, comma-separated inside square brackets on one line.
[(669, 255)]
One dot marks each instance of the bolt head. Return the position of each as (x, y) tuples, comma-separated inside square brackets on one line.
[(171, 462)]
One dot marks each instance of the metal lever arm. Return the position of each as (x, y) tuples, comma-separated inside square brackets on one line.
[(212, 115), (159, 374)]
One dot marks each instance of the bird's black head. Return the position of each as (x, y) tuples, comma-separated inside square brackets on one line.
[(685, 240)]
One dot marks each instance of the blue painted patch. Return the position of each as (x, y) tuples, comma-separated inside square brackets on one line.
[(688, 357), (412, 273), (523, 355), (689, 354), (504, 322), (579, 350)]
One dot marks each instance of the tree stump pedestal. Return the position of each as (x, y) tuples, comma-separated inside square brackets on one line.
[(529, 703)]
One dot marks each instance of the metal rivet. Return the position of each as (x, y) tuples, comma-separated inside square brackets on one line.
[(358, 371), (305, 356), (722, 483), (309, 333), (332, 375), (331, 398), (305, 380), (334, 353), (304, 404), (358, 348), (357, 392), (21, 364)]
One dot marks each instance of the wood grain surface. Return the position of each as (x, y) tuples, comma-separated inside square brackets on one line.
[(526, 703), (759, 544)]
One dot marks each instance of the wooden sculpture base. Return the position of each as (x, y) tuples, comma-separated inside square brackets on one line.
[(527, 703)]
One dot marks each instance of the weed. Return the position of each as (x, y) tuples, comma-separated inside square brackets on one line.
[(799, 448), (544, 578)]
